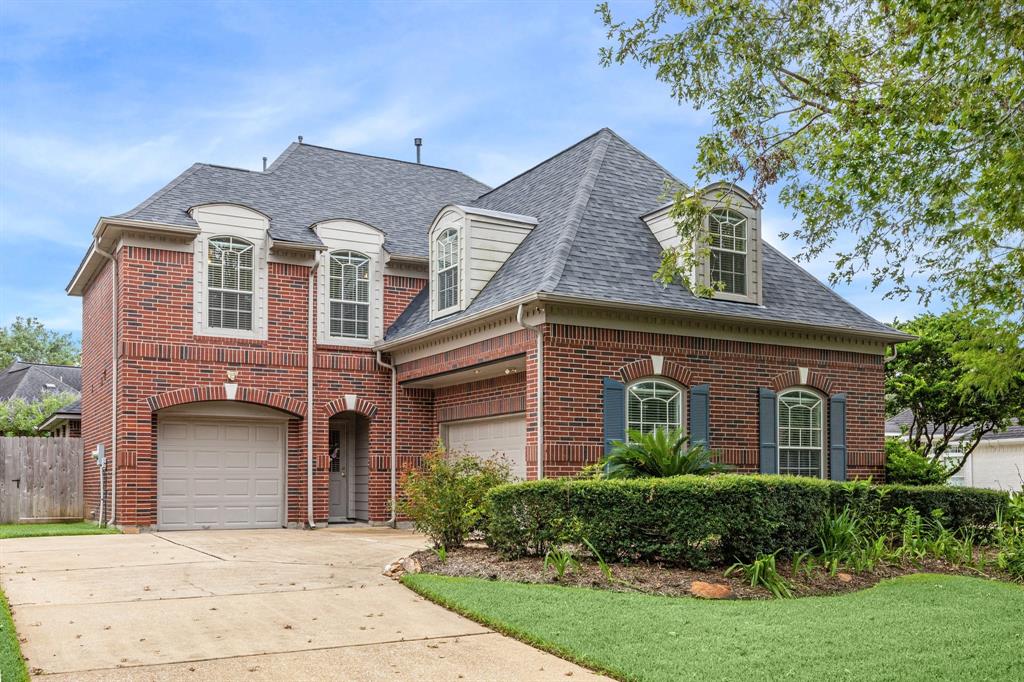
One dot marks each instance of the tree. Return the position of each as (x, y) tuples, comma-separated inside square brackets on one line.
[(894, 126), (18, 417), (27, 340), (963, 377)]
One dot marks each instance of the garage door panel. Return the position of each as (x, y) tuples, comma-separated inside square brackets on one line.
[(501, 438), (222, 474)]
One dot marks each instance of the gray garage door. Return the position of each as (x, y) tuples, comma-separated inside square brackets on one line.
[(496, 437), (217, 473)]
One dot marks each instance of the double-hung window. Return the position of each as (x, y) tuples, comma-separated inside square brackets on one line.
[(349, 295), (728, 233), (447, 263), (229, 273), (801, 434)]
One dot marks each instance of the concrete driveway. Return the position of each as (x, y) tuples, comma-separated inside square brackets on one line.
[(252, 605)]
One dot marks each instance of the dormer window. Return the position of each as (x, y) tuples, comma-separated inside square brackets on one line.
[(349, 295), (229, 272), (727, 231), (447, 264)]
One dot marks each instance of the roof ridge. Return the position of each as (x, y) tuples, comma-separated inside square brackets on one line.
[(585, 189), (636, 149), (382, 158), (541, 163), (282, 157), (160, 192)]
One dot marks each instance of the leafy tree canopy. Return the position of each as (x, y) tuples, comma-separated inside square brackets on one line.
[(21, 418), (899, 123), (962, 378), (27, 340)]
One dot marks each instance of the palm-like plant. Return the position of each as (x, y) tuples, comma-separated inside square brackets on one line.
[(659, 454)]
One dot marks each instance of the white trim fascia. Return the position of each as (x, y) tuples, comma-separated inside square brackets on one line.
[(500, 215)]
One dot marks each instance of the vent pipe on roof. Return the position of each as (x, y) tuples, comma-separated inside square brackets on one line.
[(419, 143), (264, 164), (300, 139)]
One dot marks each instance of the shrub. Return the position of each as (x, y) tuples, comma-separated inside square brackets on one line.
[(762, 571), (445, 498), (702, 521), (904, 465), (658, 454)]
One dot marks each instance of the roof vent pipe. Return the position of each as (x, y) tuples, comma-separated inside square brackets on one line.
[(419, 143), (264, 164), (300, 139)]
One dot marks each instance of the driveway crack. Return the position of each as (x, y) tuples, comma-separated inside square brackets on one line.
[(194, 549)]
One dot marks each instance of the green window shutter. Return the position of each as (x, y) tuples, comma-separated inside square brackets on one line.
[(769, 436), (837, 437), (700, 415), (614, 413)]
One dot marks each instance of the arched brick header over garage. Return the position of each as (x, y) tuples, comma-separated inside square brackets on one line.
[(655, 365), (351, 403), (802, 376), (241, 394)]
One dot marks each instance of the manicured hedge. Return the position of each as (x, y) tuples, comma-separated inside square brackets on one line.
[(702, 520)]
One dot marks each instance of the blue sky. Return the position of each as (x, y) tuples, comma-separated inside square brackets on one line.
[(103, 103)]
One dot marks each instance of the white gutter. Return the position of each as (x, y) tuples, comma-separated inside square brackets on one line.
[(113, 385), (539, 333), (393, 521), (310, 328)]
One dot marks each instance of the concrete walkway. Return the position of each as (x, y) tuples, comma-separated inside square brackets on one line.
[(252, 605)]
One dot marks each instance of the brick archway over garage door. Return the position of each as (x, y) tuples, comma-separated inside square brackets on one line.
[(212, 392)]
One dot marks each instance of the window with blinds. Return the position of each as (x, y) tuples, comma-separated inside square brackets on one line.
[(653, 404), (728, 235), (447, 255), (229, 283), (801, 433), (349, 295)]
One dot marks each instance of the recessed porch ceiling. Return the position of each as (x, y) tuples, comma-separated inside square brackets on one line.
[(487, 370)]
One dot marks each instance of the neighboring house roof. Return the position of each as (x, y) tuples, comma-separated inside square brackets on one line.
[(31, 381), (309, 184), (895, 426), (66, 413), (591, 243)]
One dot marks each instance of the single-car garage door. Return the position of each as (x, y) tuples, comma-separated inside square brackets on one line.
[(492, 437), (219, 473)]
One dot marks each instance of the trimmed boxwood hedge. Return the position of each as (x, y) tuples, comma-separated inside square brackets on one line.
[(701, 521)]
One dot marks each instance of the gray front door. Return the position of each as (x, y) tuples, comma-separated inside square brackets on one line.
[(339, 450)]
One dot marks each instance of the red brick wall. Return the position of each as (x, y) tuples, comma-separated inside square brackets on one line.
[(577, 359), (398, 293), (486, 398), (96, 383)]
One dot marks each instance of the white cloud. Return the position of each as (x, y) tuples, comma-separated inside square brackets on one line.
[(59, 312)]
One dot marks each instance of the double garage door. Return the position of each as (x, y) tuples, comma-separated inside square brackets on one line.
[(496, 437), (220, 473)]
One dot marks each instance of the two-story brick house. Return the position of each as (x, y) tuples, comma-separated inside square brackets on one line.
[(273, 348)]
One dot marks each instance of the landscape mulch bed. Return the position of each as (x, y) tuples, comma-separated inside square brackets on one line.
[(478, 561)]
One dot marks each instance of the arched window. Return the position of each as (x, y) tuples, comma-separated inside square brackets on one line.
[(653, 404), (728, 233), (349, 293), (229, 281), (447, 261), (801, 433)]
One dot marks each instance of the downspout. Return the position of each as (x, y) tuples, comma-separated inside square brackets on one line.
[(310, 328), (540, 388), (889, 358), (113, 384), (393, 521)]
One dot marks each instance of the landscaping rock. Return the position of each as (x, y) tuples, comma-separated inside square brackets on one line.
[(411, 565), (844, 577), (704, 590), (394, 569)]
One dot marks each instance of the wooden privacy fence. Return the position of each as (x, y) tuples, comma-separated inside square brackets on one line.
[(40, 479)]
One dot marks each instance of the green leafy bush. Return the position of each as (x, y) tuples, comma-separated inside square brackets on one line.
[(658, 454), (904, 465), (703, 521), (445, 497)]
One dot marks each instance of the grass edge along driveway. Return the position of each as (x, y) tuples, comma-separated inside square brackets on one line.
[(917, 627), (12, 665), (38, 530)]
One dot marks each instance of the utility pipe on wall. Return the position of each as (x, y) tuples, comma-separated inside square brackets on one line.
[(393, 521), (113, 386), (310, 328), (539, 333)]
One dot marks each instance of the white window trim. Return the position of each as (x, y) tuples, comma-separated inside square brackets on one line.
[(660, 380), (374, 333), (746, 253), (823, 447), (457, 266), (721, 196), (200, 288)]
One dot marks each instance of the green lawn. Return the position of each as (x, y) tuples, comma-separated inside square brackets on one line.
[(12, 665), (33, 530), (918, 627)]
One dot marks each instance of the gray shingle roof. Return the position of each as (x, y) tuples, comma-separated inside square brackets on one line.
[(31, 381), (904, 419), (308, 184), (590, 242)]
